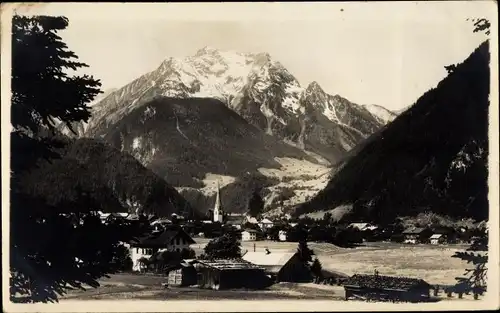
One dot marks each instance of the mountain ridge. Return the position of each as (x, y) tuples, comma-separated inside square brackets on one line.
[(254, 85), (425, 158)]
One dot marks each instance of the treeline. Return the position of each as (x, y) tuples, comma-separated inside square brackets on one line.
[(235, 197), (108, 175)]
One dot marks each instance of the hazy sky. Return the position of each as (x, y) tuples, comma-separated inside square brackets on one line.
[(371, 53)]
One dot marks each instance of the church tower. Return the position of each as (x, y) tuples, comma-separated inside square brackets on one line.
[(218, 206)]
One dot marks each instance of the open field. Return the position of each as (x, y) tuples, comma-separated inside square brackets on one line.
[(431, 263), (148, 287)]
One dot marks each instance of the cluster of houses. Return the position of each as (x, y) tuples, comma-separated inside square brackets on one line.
[(252, 270), (258, 270)]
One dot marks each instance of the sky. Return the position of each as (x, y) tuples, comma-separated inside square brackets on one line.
[(370, 53)]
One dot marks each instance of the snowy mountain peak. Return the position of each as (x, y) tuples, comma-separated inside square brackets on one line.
[(314, 87), (258, 88)]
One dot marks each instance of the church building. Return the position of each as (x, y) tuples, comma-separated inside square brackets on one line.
[(218, 213)]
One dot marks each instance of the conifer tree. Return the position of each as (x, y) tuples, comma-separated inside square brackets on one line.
[(57, 242), (255, 204)]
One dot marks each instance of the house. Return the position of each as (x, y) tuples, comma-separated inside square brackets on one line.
[(107, 217), (251, 220), (436, 239), (282, 235), (448, 234), (416, 235), (249, 235), (160, 224), (360, 226), (235, 221), (133, 217), (169, 239), (227, 274), (183, 274), (265, 224), (363, 226), (177, 217), (380, 288), (283, 267)]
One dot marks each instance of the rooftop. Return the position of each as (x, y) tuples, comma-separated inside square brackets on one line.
[(163, 238), (414, 231), (385, 282), (250, 231), (436, 236), (268, 259), (266, 221), (228, 264)]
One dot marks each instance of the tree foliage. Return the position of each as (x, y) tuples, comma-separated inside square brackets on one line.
[(40, 60), (434, 155), (305, 253), (225, 247), (481, 25), (316, 269), (57, 242), (255, 204), (475, 278)]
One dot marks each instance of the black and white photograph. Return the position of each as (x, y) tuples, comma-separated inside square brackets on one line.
[(250, 157)]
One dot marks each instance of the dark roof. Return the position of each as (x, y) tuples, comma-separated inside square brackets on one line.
[(385, 282), (250, 230), (414, 231), (228, 264), (163, 238), (235, 220)]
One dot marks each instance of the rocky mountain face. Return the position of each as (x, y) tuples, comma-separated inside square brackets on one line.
[(259, 89), (228, 113), (433, 157)]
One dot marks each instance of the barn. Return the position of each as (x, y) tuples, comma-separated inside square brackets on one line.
[(282, 267), (230, 274), (386, 288), (417, 235), (182, 274)]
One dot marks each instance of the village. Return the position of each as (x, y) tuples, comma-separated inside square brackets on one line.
[(285, 251)]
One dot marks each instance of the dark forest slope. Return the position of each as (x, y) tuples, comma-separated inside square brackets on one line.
[(432, 157), (108, 175)]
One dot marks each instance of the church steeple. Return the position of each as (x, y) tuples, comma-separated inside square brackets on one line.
[(218, 206)]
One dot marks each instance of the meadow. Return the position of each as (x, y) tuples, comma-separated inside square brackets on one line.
[(433, 263)]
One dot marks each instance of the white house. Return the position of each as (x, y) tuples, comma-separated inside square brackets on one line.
[(363, 226), (265, 224), (251, 220), (235, 220), (282, 235), (249, 235), (437, 239), (106, 217), (173, 239)]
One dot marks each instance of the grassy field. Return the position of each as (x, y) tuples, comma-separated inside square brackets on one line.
[(431, 263), (148, 287)]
